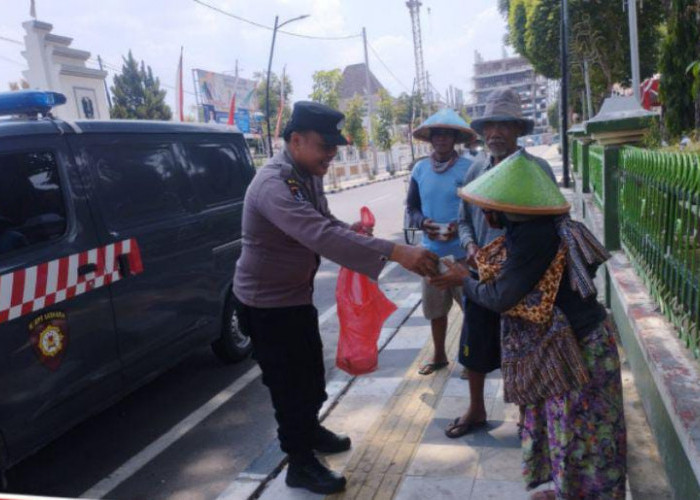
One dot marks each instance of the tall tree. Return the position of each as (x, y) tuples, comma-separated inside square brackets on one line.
[(326, 89), (384, 132), (137, 93), (407, 107), (353, 122), (598, 34), (679, 50), (275, 93)]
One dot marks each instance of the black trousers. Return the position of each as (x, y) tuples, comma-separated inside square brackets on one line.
[(287, 346)]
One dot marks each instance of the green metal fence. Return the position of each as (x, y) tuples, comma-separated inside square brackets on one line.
[(595, 165), (659, 215)]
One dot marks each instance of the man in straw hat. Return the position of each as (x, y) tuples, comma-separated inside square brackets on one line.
[(433, 206), (479, 352), (559, 359)]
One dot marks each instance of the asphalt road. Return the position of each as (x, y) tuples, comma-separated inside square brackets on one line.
[(190, 432)]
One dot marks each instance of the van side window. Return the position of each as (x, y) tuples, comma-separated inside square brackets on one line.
[(32, 209), (138, 183), (217, 172)]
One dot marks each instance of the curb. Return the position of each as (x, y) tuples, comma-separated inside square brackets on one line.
[(251, 482)]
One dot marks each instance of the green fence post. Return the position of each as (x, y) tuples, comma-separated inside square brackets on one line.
[(611, 198), (585, 172)]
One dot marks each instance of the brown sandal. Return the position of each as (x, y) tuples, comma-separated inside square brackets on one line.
[(429, 367), (455, 429)]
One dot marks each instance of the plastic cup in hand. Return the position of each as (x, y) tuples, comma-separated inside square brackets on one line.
[(442, 267)]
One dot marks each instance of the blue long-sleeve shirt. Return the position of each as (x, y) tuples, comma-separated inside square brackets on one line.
[(433, 195)]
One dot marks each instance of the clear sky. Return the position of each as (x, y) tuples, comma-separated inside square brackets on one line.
[(155, 29)]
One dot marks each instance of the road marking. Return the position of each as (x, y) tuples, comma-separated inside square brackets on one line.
[(246, 483), (384, 196), (330, 312), (131, 466), (134, 464)]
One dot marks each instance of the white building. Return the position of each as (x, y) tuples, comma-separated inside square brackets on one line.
[(54, 65)]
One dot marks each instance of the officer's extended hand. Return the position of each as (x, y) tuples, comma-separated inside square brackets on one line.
[(454, 276), (416, 259), (359, 228)]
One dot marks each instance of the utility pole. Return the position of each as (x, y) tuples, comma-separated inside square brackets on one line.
[(109, 97), (563, 99), (587, 81), (368, 95), (634, 47), (269, 69), (413, 117)]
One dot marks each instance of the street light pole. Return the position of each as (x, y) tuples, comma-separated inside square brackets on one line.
[(563, 99), (267, 84), (634, 47)]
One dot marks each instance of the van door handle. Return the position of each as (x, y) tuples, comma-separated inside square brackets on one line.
[(123, 263), (87, 269)]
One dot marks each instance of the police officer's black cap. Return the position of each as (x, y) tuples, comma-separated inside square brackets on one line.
[(328, 122)]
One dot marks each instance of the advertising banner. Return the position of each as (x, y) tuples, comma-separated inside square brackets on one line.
[(215, 93)]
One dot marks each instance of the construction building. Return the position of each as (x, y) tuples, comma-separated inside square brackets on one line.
[(515, 73)]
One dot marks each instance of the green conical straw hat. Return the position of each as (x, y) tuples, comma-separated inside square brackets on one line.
[(517, 185)]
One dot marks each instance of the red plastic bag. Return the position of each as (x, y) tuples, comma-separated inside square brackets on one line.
[(362, 310)]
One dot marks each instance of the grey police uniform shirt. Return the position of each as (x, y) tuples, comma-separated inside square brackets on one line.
[(286, 226), (472, 224)]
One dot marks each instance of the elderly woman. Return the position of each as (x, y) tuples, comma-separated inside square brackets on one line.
[(559, 357)]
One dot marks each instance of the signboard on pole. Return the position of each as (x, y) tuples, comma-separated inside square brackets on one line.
[(216, 91)]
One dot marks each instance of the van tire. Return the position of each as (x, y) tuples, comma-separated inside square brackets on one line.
[(233, 345)]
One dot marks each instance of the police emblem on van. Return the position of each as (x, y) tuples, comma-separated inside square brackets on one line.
[(48, 334)]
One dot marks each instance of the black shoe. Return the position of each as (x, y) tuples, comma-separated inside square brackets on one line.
[(314, 476), (326, 441)]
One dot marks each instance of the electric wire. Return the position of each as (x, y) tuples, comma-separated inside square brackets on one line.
[(270, 28), (387, 67), (5, 39)]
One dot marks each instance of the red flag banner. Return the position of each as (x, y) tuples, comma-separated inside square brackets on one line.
[(232, 109)]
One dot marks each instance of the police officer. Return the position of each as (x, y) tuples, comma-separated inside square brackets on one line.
[(287, 226)]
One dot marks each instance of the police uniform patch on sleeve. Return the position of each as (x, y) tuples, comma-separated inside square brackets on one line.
[(296, 190)]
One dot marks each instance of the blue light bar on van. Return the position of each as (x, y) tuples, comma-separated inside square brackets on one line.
[(29, 102)]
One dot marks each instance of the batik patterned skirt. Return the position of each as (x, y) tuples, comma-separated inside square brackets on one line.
[(578, 439)]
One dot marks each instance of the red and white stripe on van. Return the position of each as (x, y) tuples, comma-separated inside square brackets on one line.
[(31, 289)]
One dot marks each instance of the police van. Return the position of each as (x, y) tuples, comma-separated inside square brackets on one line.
[(118, 243)]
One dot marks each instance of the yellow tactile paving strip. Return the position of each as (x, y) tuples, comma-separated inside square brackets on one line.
[(376, 466)]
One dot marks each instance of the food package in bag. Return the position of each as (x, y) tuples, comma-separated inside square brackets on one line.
[(362, 310)]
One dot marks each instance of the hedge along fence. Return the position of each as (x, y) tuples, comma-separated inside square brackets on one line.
[(595, 162), (651, 206)]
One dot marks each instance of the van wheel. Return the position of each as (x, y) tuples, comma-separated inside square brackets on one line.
[(233, 345)]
